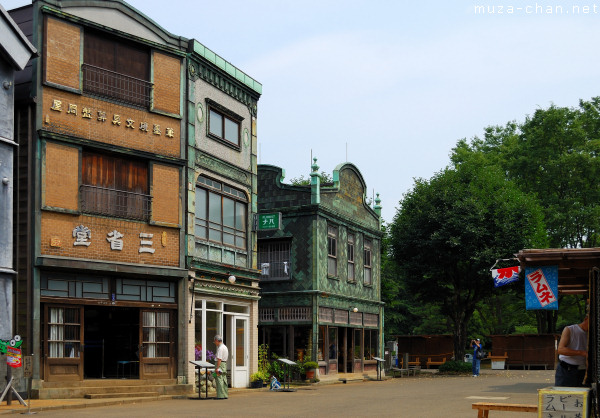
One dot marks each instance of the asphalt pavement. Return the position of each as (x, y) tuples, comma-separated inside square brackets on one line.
[(426, 395)]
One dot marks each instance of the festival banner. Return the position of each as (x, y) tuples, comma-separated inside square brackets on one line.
[(505, 275), (541, 289), (13, 357)]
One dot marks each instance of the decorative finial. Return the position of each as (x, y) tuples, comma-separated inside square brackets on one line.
[(314, 167)]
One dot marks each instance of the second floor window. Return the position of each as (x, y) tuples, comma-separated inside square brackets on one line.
[(274, 259), (114, 186), (368, 280), (350, 257), (223, 127), (332, 234), (220, 213), (116, 70)]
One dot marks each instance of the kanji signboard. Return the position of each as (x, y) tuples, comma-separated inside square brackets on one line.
[(541, 289), (268, 221)]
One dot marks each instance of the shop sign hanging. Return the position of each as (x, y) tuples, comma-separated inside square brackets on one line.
[(541, 289), (505, 275)]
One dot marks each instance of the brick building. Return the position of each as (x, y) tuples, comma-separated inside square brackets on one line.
[(320, 270), (222, 181), (101, 170)]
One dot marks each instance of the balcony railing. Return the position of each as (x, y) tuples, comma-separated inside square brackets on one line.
[(111, 202), (116, 86)]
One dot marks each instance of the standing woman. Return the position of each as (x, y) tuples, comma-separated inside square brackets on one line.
[(221, 368), (477, 348)]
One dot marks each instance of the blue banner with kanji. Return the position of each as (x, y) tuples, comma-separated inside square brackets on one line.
[(541, 287)]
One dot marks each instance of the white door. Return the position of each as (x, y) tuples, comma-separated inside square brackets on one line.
[(239, 354)]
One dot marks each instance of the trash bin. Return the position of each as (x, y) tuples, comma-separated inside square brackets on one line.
[(468, 358)]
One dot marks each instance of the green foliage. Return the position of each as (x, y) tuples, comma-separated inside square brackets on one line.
[(525, 329), (449, 228), (456, 367), (264, 376), (305, 181), (263, 359), (310, 365), (276, 368)]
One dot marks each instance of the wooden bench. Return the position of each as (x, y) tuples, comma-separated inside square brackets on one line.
[(394, 372), (434, 363), (484, 408)]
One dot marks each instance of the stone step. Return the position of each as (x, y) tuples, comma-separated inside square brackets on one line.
[(108, 382), (82, 391), (121, 395)]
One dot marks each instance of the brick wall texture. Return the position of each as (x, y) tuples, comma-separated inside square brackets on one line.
[(62, 53), (165, 194), (61, 180), (76, 124), (167, 79), (58, 227)]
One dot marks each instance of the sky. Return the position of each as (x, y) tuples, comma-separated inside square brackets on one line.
[(391, 86)]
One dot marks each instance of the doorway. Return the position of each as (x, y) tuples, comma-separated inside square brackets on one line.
[(111, 341)]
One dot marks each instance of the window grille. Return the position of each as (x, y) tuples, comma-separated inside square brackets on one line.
[(113, 202), (274, 260)]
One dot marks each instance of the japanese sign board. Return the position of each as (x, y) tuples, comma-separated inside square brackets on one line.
[(563, 402), (505, 275), (541, 289), (28, 366), (268, 221)]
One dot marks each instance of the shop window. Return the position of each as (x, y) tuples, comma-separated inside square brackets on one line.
[(114, 186), (274, 260), (116, 70), (321, 347), (333, 344), (220, 213), (156, 334), (357, 343), (367, 263), (371, 343), (332, 234), (64, 328), (351, 258)]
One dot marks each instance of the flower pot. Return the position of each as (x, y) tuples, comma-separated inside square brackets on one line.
[(310, 374), (256, 384)]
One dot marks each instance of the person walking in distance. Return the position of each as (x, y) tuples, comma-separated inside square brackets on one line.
[(572, 355), (221, 368), (477, 348)]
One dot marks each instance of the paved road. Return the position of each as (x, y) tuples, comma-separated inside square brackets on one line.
[(422, 396)]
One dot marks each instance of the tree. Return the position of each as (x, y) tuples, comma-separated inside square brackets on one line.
[(449, 229), (305, 181)]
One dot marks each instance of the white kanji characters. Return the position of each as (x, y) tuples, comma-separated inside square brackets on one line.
[(145, 244), (116, 243), (101, 116), (169, 133), (144, 126), (156, 129), (72, 109), (86, 113), (129, 123), (116, 119), (82, 234), (56, 105)]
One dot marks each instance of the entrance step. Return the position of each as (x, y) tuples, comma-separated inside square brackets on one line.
[(111, 388), (121, 395)]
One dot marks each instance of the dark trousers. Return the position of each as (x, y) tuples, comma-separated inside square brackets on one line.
[(568, 375)]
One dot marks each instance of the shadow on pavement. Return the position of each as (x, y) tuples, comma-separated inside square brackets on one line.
[(518, 387)]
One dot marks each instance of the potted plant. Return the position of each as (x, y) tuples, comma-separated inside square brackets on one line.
[(257, 379), (310, 368)]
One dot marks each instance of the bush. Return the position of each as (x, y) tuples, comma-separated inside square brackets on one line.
[(456, 367), (311, 365)]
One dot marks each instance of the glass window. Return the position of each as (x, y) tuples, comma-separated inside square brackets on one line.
[(350, 257), (220, 212), (64, 332), (223, 127), (367, 263), (321, 346), (332, 251), (274, 259), (333, 343), (156, 334), (357, 343), (215, 124), (236, 308)]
